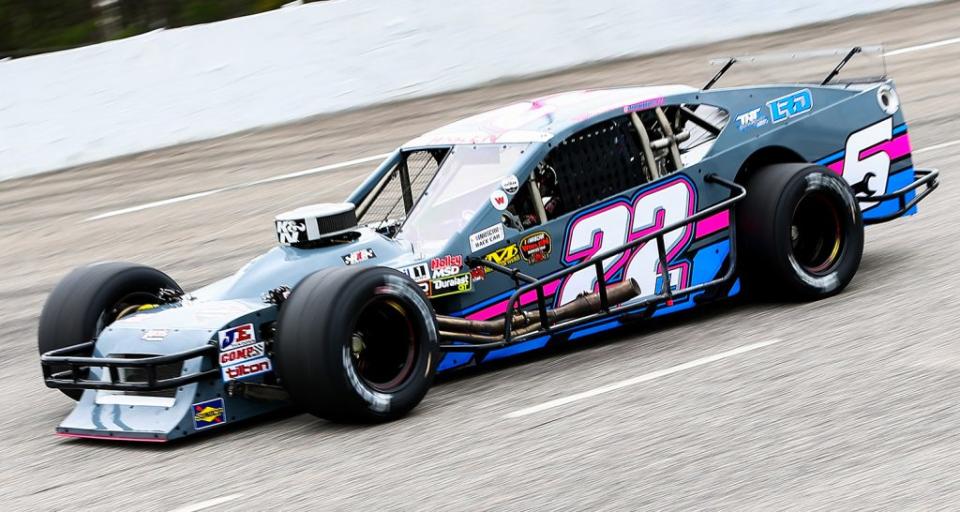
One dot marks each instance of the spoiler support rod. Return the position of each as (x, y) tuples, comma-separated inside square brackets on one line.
[(836, 71), (723, 70)]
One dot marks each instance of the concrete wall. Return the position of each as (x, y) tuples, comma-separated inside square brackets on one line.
[(173, 86)]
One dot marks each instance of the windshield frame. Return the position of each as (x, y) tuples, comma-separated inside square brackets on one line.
[(424, 213)]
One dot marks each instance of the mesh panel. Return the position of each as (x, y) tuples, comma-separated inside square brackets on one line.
[(596, 163), (420, 167)]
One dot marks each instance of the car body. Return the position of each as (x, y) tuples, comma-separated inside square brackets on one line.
[(462, 224)]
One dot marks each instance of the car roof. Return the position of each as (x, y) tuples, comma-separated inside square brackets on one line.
[(539, 119)]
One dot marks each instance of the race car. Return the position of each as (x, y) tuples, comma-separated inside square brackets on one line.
[(536, 224)]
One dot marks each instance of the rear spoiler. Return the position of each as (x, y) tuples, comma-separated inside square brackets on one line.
[(845, 54)]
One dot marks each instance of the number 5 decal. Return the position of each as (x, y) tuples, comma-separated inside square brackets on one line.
[(866, 162), (619, 222)]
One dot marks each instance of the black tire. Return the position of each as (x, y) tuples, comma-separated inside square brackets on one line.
[(89, 298), (799, 233), (328, 372)]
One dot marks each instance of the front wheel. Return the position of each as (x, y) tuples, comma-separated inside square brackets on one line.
[(92, 297), (357, 344), (800, 232)]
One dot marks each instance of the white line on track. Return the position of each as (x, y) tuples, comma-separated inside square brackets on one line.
[(637, 380), (200, 505), (937, 146), (920, 47), (197, 195)]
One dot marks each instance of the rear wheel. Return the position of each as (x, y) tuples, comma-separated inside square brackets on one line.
[(92, 297), (800, 232), (357, 344)]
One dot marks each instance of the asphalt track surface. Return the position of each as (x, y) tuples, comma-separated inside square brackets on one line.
[(847, 403)]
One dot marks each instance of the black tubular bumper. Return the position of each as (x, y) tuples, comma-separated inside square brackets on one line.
[(927, 178), (76, 376)]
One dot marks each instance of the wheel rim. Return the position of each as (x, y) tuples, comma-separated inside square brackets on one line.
[(383, 346), (816, 234)]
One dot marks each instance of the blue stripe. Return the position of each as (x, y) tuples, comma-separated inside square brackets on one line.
[(900, 129)]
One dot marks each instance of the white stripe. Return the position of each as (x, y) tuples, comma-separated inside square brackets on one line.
[(197, 195), (938, 146), (920, 47), (200, 505), (637, 380)]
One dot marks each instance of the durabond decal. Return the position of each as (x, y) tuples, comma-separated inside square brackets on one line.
[(536, 247), (246, 369), (236, 355), (486, 237), (791, 105), (237, 336), (460, 283), (209, 414)]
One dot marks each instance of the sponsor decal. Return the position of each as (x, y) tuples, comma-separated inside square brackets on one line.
[(425, 286), (536, 247), (446, 266), (237, 336), (155, 335), (235, 355), (419, 272), (478, 273), (246, 369), (289, 231), (486, 237), (504, 256), (209, 414), (644, 105), (499, 199), (358, 256), (791, 105), (752, 119), (510, 185), (460, 283)]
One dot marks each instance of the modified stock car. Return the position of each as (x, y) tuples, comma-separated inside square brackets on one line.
[(535, 224)]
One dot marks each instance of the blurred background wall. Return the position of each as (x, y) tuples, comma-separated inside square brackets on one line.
[(172, 85)]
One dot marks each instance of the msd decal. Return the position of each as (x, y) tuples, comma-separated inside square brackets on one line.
[(241, 354), (446, 266), (246, 369), (620, 221), (237, 336), (209, 414)]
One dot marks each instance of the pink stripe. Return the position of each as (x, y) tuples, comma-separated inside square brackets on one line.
[(501, 307), (713, 223), (114, 438), (896, 147)]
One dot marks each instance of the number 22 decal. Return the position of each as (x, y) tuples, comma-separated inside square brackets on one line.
[(620, 221)]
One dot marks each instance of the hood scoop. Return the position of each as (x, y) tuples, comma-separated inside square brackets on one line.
[(318, 225)]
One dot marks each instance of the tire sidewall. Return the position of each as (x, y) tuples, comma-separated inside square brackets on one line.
[(851, 226), (315, 330)]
